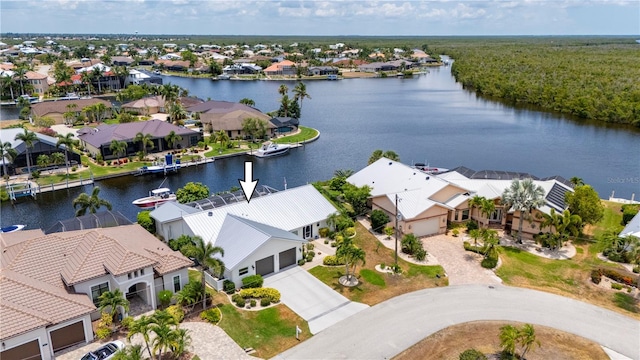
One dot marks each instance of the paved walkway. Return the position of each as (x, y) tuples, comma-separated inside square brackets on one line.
[(207, 341), (311, 299), (386, 329)]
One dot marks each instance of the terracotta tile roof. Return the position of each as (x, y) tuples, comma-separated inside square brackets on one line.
[(32, 75), (60, 106), (27, 304)]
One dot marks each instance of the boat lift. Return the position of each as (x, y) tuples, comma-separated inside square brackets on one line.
[(19, 190)]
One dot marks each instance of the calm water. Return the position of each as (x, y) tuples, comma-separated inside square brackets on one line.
[(429, 118)]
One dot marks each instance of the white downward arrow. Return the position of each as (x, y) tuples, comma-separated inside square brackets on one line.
[(248, 184)]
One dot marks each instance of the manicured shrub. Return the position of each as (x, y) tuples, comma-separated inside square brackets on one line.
[(334, 244), (265, 302), (301, 262), (489, 263), (165, 297), (235, 297), (103, 332), (471, 225), (229, 286), (309, 246), (614, 275), (311, 253), (309, 258), (252, 281), (616, 286), (211, 315), (323, 232), (126, 322), (350, 231), (332, 260), (260, 293), (455, 232), (240, 303), (420, 254), (326, 241), (596, 276), (176, 312), (379, 219), (472, 354), (145, 220), (628, 212), (252, 303), (636, 269)]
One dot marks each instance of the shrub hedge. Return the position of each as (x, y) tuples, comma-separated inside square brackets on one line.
[(622, 278), (332, 260), (596, 276), (265, 302), (489, 263), (229, 286), (176, 312), (211, 315), (472, 354), (252, 281), (260, 293)]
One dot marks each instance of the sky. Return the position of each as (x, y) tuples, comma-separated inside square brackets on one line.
[(335, 17)]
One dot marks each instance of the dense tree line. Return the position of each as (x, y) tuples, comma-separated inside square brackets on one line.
[(587, 78)]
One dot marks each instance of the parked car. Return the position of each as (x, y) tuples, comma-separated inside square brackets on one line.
[(104, 352)]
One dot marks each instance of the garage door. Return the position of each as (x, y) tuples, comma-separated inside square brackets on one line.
[(287, 258), (30, 350), (425, 227), (264, 266), (67, 336)]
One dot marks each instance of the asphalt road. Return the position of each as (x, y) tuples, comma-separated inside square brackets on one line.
[(387, 329)]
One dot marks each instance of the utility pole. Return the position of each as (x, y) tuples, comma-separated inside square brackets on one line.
[(397, 231)]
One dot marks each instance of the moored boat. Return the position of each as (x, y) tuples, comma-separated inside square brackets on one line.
[(270, 149), (156, 197), (12, 228)]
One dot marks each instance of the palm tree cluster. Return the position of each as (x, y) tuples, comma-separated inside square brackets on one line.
[(560, 227), (378, 154), (7, 152), (511, 337), (29, 139), (205, 254), (91, 203), (162, 335), (352, 255)]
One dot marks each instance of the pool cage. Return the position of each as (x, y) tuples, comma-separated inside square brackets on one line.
[(222, 199), (102, 219)]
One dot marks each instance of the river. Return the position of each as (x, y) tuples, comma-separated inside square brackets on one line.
[(428, 118)]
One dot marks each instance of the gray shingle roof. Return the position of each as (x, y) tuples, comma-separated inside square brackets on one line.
[(103, 134)]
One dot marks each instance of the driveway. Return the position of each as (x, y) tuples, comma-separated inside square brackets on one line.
[(311, 299), (388, 328)]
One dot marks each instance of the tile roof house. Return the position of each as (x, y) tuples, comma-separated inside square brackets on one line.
[(284, 67), (228, 116), (56, 109), (38, 81), (98, 140), (155, 104), (427, 202), (46, 306)]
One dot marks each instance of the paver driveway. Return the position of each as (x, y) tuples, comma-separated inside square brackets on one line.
[(311, 299)]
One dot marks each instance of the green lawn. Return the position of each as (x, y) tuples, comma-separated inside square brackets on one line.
[(372, 277), (98, 170), (304, 134), (46, 179), (215, 151)]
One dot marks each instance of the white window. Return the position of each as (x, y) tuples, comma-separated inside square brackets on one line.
[(98, 290), (176, 283), (243, 271), (306, 232), (465, 215)]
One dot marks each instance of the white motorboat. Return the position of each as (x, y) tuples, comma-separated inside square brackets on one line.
[(270, 149), (12, 228), (156, 197)]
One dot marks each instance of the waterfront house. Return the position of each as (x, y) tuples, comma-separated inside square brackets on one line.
[(47, 306), (38, 81), (273, 226), (427, 202), (229, 116), (56, 109), (155, 104), (283, 68), (43, 145), (632, 228), (98, 140), (322, 70)]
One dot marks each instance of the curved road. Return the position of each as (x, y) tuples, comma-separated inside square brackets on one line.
[(385, 330)]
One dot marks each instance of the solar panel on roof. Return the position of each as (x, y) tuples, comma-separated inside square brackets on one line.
[(556, 196)]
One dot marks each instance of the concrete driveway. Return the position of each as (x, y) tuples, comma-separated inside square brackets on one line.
[(388, 328), (311, 299)]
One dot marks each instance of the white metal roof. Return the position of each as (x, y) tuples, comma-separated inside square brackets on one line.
[(289, 210), (633, 227), (240, 237), (413, 203), (171, 211)]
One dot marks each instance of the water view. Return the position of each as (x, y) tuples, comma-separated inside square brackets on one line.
[(428, 118)]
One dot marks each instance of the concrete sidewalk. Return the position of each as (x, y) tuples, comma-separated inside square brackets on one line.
[(311, 299)]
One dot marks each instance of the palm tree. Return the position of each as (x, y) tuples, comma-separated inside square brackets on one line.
[(142, 326), (57, 158), (563, 224), (487, 207), (112, 300), (130, 352), (351, 254), (172, 139), (100, 111), (576, 181), (118, 148), (490, 240), (8, 82), (28, 138), (475, 234), (247, 101), (474, 202), (378, 154), (161, 327), (523, 196), (7, 152), (20, 72), (170, 93), (300, 91), (343, 173), (527, 339), (283, 89), (96, 74), (87, 77), (509, 338), (145, 140), (69, 143), (91, 203), (204, 253), (332, 220), (180, 340), (43, 160), (177, 112), (222, 137)]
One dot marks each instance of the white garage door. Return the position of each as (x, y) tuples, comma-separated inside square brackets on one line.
[(425, 227)]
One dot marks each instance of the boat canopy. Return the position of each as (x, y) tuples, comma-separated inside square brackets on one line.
[(160, 191)]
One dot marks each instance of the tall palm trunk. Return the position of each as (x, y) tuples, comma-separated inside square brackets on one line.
[(28, 163), (204, 291), (66, 160), (520, 226)]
